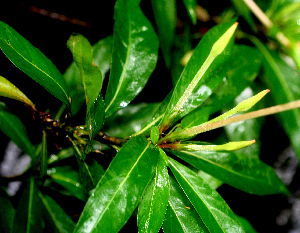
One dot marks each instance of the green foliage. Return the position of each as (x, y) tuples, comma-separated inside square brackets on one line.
[(134, 160)]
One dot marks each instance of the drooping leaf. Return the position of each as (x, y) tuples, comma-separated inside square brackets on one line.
[(7, 89), (154, 204), (29, 212), (7, 212), (181, 216), (121, 187), (69, 179), (242, 172), (60, 221), (203, 73), (165, 18), (134, 55), (275, 78), (12, 126), (213, 210), (33, 63), (190, 6)]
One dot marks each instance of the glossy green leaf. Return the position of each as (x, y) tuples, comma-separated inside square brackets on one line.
[(69, 179), (11, 125), (29, 212), (154, 135), (213, 210), (95, 116), (246, 225), (203, 73), (190, 6), (196, 117), (181, 215), (154, 204), (165, 18), (242, 172), (245, 64), (276, 80), (7, 89), (121, 187), (134, 55), (33, 63), (7, 212), (230, 146), (60, 221)]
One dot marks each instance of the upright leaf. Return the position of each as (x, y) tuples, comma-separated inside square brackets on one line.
[(190, 6), (134, 55), (244, 173), (181, 216), (213, 210), (165, 18), (11, 125), (120, 189), (153, 207), (59, 220), (29, 213), (202, 74), (7, 89), (33, 63), (7, 212)]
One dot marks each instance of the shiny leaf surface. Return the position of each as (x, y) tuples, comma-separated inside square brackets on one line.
[(121, 187), (61, 222), (181, 215), (244, 173), (33, 63), (213, 210), (203, 73), (154, 204), (7, 89), (134, 55), (165, 18), (11, 125), (29, 212)]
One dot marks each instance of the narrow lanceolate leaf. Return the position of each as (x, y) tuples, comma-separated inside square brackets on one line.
[(120, 188), (58, 218), (44, 156), (33, 63), (213, 210), (7, 89), (134, 55), (225, 147), (248, 174), (29, 213), (190, 6), (181, 216), (241, 107), (12, 126), (202, 74), (153, 207)]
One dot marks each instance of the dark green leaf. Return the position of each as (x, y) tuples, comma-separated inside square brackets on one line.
[(277, 82), (69, 179), (29, 213), (245, 63), (134, 55), (44, 156), (165, 18), (190, 5), (60, 221), (121, 187), (33, 63), (244, 173), (95, 116), (181, 215), (203, 73), (213, 210), (196, 117), (7, 89), (11, 125), (153, 207), (246, 225), (7, 212)]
